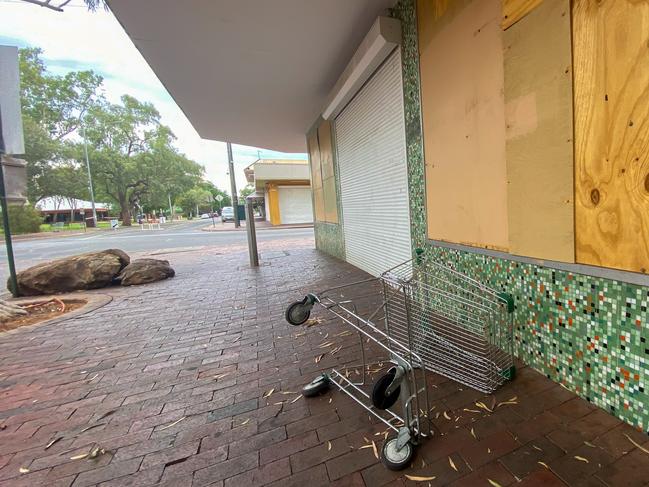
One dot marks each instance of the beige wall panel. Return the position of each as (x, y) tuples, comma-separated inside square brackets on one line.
[(314, 159), (464, 126), (538, 98), (326, 149), (330, 207), (611, 70), (515, 10)]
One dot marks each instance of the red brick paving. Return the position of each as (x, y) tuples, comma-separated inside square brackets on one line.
[(171, 378)]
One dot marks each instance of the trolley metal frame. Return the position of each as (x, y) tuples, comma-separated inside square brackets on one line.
[(436, 319)]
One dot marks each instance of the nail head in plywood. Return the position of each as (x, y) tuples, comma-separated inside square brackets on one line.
[(539, 131), (611, 104), (515, 10)]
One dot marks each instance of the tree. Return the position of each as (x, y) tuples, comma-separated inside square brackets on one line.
[(58, 5), (247, 191), (52, 108), (214, 191), (132, 154), (196, 198)]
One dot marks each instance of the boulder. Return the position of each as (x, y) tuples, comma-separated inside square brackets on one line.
[(80, 272), (143, 271)]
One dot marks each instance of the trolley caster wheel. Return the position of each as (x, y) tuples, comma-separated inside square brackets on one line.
[(380, 399), (395, 459), (317, 386), (298, 312)]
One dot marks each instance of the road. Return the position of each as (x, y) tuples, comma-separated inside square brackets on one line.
[(185, 235)]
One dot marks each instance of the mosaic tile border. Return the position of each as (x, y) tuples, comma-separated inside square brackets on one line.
[(587, 333)]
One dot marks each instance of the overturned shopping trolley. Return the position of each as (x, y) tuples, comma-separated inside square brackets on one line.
[(431, 317)]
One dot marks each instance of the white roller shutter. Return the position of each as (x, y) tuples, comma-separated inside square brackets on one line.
[(370, 139), (295, 204)]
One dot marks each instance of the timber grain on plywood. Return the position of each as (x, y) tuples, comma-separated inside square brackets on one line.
[(538, 116), (611, 103), (515, 10)]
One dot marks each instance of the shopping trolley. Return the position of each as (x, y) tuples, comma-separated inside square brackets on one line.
[(431, 317)]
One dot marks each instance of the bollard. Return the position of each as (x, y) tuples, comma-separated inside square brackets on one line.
[(252, 235)]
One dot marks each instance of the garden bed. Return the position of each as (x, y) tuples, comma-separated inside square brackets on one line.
[(43, 310)]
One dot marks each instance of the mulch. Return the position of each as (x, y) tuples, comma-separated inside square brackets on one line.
[(41, 311)]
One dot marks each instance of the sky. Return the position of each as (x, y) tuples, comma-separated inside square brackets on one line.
[(76, 40)]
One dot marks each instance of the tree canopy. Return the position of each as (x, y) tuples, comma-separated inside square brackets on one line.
[(133, 159)]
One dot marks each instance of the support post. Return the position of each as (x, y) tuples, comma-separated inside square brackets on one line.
[(233, 187), (252, 235)]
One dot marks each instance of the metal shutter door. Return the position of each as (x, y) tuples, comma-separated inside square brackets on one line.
[(295, 204), (370, 139)]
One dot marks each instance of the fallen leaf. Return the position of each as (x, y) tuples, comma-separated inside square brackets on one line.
[(220, 376), (471, 410), (587, 443), (376, 452), (268, 393), (172, 424), (331, 399), (544, 464), (494, 483), (245, 422), (319, 357), (96, 451), (23, 470), (79, 457), (416, 478), (446, 415), (58, 438), (636, 444), (581, 459), (298, 397), (88, 428), (473, 434), (537, 448), (105, 415), (286, 393), (364, 446), (483, 406), (488, 450), (328, 446), (450, 462)]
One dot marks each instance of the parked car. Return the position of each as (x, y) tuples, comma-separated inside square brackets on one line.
[(205, 216), (227, 214)]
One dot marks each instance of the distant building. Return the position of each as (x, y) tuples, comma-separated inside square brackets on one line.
[(285, 188), (60, 209)]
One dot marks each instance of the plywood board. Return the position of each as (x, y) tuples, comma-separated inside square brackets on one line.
[(316, 175), (326, 149), (611, 70), (463, 112), (515, 10), (538, 98)]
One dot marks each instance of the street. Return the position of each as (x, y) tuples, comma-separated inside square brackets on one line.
[(179, 236)]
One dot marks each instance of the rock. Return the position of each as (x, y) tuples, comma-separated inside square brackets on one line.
[(143, 271), (86, 271)]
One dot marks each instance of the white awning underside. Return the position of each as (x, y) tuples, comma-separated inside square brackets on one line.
[(252, 72)]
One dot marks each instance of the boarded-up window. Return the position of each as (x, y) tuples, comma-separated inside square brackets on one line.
[(461, 63), (323, 178), (611, 71)]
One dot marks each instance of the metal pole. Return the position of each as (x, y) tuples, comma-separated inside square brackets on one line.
[(13, 280), (171, 210), (252, 235), (233, 187), (92, 191)]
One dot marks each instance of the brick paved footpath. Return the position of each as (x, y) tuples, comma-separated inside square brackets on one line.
[(169, 379)]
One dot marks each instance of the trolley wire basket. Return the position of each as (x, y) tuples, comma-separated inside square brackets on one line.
[(430, 317), (461, 328)]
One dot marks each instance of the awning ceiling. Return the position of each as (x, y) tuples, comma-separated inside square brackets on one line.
[(249, 71)]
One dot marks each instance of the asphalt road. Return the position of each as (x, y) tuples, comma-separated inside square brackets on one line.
[(185, 235)]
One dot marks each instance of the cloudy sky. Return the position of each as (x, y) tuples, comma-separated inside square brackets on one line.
[(78, 40)]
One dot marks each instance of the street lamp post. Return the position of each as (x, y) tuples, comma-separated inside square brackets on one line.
[(92, 192)]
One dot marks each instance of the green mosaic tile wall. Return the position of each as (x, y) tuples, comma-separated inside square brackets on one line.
[(589, 334), (329, 238)]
